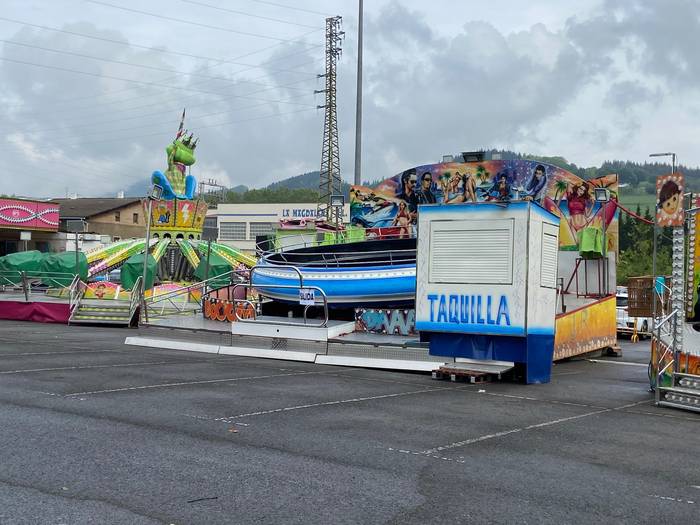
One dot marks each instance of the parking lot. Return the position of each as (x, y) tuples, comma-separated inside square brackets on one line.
[(94, 431)]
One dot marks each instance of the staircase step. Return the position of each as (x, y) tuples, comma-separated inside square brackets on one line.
[(686, 398), (103, 309), (687, 381), (102, 320), (79, 317), (681, 390), (680, 406), (115, 313)]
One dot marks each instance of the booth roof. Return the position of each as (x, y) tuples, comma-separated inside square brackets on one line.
[(84, 208)]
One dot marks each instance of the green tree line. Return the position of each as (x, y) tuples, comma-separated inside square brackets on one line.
[(637, 248)]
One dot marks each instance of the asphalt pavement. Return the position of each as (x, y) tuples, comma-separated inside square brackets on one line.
[(94, 431)]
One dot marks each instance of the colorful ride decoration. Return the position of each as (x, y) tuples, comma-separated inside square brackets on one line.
[(178, 214), (393, 203), (28, 215), (176, 183)]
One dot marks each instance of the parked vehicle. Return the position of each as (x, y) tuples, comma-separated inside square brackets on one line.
[(625, 323)]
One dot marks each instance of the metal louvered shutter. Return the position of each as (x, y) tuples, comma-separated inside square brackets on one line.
[(550, 250), (471, 252)]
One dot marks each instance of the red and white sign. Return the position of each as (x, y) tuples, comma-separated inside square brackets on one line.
[(28, 215)]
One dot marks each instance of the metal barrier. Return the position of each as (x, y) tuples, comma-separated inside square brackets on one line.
[(260, 287), (34, 282), (168, 298)]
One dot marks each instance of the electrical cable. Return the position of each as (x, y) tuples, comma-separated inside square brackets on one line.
[(219, 8), (183, 21), (160, 50), (112, 61), (75, 71), (290, 7)]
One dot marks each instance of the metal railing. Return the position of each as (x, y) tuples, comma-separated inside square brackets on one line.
[(261, 287), (665, 341), (135, 297), (76, 293), (34, 281), (169, 298), (285, 253)]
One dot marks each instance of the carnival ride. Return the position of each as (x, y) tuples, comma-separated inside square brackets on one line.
[(173, 262), (365, 273)]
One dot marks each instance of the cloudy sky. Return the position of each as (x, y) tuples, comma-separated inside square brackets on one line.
[(91, 91)]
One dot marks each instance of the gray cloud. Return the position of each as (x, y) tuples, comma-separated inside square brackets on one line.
[(585, 91)]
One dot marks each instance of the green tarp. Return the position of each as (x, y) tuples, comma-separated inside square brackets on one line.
[(217, 266), (591, 243), (133, 269), (11, 265), (58, 269)]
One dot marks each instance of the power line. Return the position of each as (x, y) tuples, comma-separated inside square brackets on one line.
[(123, 62), (155, 50), (189, 22), (87, 73), (160, 101), (219, 8), (289, 7), (168, 111), (52, 176), (158, 134)]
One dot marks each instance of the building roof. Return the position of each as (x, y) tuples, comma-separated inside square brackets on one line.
[(84, 208)]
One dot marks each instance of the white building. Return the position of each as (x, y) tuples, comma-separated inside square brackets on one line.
[(239, 224)]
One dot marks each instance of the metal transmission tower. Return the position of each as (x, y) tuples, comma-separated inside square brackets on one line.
[(212, 192), (330, 181)]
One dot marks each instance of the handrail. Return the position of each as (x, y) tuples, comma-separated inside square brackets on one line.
[(189, 288), (75, 293), (270, 246), (661, 355), (246, 286), (135, 298), (287, 286)]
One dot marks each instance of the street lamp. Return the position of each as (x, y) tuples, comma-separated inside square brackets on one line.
[(358, 103), (602, 196), (154, 195), (667, 154)]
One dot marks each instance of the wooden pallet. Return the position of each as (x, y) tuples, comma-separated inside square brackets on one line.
[(461, 375)]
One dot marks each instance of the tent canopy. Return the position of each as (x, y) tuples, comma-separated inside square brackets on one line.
[(12, 264), (133, 269), (59, 268), (217, 266)]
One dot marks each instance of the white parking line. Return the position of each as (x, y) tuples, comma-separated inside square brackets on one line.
[(89, 367), (486, 437), (186, 383), (59, 353), (610, 362), (329, 403)]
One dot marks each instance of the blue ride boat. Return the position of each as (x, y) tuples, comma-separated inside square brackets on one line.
[(369, 274)]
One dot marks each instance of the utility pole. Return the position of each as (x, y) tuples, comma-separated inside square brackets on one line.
[(358, 104), (330, 182)]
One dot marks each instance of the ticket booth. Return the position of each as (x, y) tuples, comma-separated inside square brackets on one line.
[(486, 283)]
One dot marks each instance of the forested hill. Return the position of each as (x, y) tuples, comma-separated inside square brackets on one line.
[(638, 178)]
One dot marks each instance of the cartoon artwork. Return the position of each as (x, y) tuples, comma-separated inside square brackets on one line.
[(669, 200), (395, 322), (175, 182), (392, 206)]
